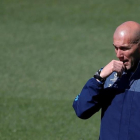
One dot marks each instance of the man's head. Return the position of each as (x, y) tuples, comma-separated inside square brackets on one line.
[(126, 41)]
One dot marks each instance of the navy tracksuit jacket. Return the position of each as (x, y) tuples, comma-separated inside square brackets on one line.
[(119, 101)]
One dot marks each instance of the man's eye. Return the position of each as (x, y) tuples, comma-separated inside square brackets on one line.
[(124, 49)]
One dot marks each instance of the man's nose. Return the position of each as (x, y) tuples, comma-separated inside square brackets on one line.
[(119, 53)]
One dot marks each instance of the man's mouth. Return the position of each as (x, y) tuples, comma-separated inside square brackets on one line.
[(125, 62)]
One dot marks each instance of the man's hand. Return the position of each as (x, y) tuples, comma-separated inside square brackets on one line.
[(113, 66)]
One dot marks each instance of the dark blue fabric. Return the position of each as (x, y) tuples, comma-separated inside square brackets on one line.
[(119, 101)]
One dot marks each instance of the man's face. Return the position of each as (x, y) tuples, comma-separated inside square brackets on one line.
[(127, 51)]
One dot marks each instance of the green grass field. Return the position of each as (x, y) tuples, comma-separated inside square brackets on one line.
[(48, 50)]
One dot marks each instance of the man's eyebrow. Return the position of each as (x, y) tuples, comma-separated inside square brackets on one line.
[(114, 45), (121, 46)]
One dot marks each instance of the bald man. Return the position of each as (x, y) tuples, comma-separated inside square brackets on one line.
[(115, 89)]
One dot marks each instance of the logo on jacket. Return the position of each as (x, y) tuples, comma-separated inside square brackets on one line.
[(77, 97), (115, 78)]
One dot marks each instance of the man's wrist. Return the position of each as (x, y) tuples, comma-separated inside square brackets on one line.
[(98, 77)]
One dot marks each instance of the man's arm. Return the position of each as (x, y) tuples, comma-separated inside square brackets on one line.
[(88, 101), (114, 65)]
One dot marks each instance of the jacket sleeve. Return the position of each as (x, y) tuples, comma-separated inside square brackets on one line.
[(88, 101)]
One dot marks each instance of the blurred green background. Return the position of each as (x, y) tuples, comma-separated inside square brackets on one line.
[(48, 50)]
